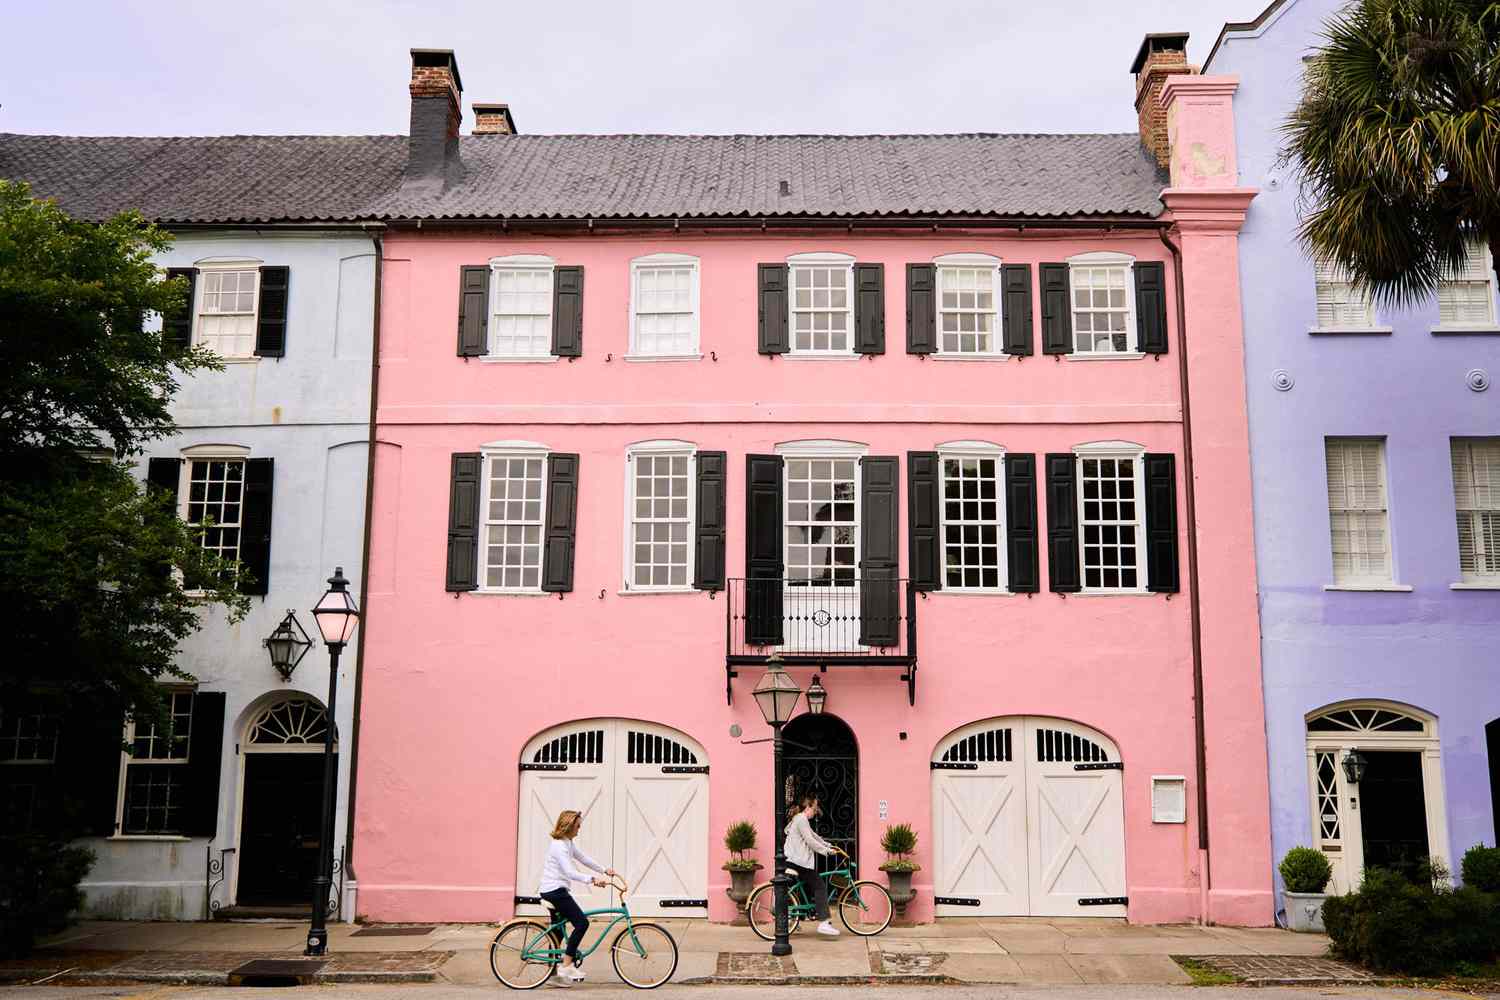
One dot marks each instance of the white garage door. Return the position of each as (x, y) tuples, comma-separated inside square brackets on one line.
[(1028, 819), (643, 792)]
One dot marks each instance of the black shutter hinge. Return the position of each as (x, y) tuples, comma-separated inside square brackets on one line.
[(953, 765), (1108, 765), (684, 769), (1104, 901), (683, 902), (544, 767), (529, 899), (955, 901)]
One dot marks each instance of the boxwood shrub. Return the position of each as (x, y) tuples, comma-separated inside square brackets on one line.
[(1392, 924), (1481, 868)]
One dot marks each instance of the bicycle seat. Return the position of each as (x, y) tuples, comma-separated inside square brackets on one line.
[(792, 872)]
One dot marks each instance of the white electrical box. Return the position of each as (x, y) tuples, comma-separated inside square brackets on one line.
[(1168, 798)]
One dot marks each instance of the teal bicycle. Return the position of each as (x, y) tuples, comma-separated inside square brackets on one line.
[(526, 953), (864, 907)]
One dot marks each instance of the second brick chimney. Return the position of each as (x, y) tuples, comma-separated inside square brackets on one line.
[(1160, 56), (432, 143), (493, 119)]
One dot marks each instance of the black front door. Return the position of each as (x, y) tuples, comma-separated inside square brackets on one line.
[(279, 835), (1393, 810), (823, 760), (1492, 745)]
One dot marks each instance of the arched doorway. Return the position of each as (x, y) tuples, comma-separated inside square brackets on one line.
[(281, 802), (822, 759)]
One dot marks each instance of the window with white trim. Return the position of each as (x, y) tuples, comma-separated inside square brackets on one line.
[(1467, 298), (664, 310), (660, 487), (973, 553), (1110, 519), (28, 738), (822, 304), (1359, 521), (1476, 488), (521, 307), (1103, 303), (153, 792), (968, 298), (514, 511), (822, 521), (214, 502), (1341, 305), (226, 305)]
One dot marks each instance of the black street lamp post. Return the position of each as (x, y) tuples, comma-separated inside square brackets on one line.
[(336, 616), (777, 695)]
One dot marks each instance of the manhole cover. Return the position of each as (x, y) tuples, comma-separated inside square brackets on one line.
[(393, 931), (754, 965), (275, 972)]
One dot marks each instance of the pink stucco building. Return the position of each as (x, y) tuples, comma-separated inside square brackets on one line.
[(911, 412)]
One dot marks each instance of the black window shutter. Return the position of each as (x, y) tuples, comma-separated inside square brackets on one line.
[(567, 318), (177, 327), (205, 750), (1161, 523), (772, 295), (88, 768), (562, 523), (270, 322), (1062, 524), (1015, 285), (869, 308), (712, 504), (1020, 524), (1057, 309), (473, 310), (465, 474), (164, 474), (921, 309), (879, 588), (763, 554), (255, 526), (924, 499), (1151, 307)]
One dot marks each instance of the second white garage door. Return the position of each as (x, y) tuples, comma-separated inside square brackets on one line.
[(643, 792), (1028, 819)]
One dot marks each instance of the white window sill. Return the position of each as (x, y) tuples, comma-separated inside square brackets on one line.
[(956, 356), (1460, 329), (1113, 593), (1475, 585), (815, 356), (1373, 588), (659, 591), (1348, 331), (519, 359), (512, 592), (974, 592), (252, 359), (662, 357), (148, 838), (1111, 356)]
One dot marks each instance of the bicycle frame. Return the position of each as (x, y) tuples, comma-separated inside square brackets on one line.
[(531, 953), (798, 903)]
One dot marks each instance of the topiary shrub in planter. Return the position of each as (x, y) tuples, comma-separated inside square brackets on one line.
[(899, 842), (1392, 924), (1305, 873), (740, 838), (1481, 868), (39, 878)]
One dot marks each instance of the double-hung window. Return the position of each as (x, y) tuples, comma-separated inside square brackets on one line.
[(1111, 518), (1476, 487), (1103, 305), (1466, 298), (1358, 517), (968, 287), (226, 307), (521, 307), (153, 796), (822, 304), (822, 521), (659, 484), (28, 744), (664, 307), (514, 509), (1341, 304), (973, 492)]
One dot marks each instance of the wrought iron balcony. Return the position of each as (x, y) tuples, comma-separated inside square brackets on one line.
[(862, 623)]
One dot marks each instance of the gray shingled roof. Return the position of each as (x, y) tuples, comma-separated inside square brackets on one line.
[(237, 179)]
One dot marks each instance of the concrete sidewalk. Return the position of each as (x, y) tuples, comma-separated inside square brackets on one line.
[(1026, 951)]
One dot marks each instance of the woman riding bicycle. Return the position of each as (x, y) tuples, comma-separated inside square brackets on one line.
[(558, 871), (801, 843)]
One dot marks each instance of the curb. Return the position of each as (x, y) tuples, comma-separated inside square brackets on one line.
[(870, 980), (187, 977)]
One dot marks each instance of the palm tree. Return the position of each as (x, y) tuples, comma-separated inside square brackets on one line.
[(1396, 139)]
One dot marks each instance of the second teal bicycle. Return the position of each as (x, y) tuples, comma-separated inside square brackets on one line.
[(864, 907)]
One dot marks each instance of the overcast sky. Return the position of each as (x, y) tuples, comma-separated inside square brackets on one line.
[(165, 67)]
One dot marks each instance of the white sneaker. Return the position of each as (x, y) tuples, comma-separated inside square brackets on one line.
[(571, 973), (827, 929)]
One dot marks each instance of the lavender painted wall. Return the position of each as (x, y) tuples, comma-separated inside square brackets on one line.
[(1431, 647)]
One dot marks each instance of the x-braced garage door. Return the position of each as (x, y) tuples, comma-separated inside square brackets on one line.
[(1028, 819), (643, 792)]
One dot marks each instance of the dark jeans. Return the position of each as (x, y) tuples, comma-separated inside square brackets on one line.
[(815, 886), (563, 902)]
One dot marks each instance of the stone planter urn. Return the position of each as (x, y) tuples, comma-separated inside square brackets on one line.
[(1304, 911), (741, 882), (901, 891)]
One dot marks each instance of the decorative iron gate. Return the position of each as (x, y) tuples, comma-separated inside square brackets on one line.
[(825, 764)]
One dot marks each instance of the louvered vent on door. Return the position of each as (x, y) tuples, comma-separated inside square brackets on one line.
[(990, 745), (1056, 745), (586, 747), (648, 748)]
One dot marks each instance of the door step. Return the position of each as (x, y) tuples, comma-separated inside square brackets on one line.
[(284, 912)]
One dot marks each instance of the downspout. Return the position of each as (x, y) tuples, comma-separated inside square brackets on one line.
[(1195, 611)]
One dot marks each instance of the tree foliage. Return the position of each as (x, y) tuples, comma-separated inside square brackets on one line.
[(1397, 141)]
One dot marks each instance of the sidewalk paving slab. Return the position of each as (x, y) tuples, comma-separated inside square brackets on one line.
[(1046, 969), (984, 968), (1110, 969)]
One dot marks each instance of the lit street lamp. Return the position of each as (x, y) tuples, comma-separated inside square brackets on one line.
[(777, 695)]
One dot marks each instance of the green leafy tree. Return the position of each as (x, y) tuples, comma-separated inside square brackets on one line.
[(1397, 140)]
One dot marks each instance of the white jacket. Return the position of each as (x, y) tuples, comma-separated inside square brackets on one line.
[(801, 842), (558, 870)]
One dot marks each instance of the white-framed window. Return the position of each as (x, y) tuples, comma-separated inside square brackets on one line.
[(225, 304), (211, 497), (1341, 305), (822, 516), (659, 477), (28, 738), (1476, 489), (1358, 517), (664, 306), (153, 786), (973, 513), (1467, 298), (1103, 287), (521, 306), (514, 509), (822, 303), (1111, 517), (968, 297)]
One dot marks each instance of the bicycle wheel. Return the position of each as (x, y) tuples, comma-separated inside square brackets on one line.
[(866, 908), (505, 955), (760, 908), (645, 955)]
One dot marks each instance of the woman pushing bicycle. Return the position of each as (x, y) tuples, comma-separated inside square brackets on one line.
[(558, 872), (801, 843)]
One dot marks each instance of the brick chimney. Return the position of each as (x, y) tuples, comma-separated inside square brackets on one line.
[(432, 145), (493, 119), (1160, 56)]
